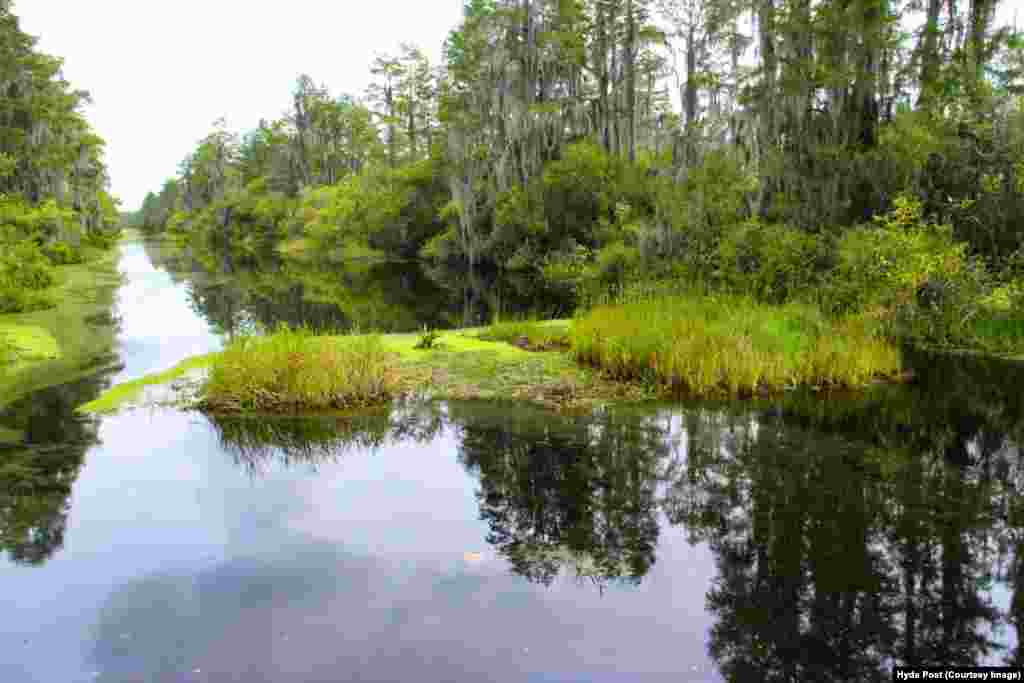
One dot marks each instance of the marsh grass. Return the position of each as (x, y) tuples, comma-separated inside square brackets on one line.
[(294, 369), (729, 346), (532, 334)]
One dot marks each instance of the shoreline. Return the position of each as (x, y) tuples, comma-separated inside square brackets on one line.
[(73, 339)]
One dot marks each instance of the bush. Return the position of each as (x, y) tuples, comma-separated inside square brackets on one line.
[(909, 270), (62, 253), (774, 263), (102, 239), (23, 265)]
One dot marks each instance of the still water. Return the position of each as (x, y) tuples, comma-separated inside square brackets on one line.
[(804, 539)]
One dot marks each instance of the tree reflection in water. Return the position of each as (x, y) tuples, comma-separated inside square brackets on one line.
[(257, 442), (860, 532), (577, 492), (37, 473), (849, 534)]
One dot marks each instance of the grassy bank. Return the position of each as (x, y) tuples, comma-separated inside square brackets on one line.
[(730, 346), (59, 344)]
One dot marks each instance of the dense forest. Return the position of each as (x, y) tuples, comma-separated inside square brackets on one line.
[(866, 154), (55, 205)]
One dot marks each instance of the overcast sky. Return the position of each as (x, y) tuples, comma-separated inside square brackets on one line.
[(162, 72)]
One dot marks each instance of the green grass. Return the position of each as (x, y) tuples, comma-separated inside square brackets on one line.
[(536, 335), (292, 369), (729, 346), (284, 373), (124, 394), (681, 344)]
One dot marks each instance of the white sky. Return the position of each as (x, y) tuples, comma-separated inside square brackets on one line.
[(162, 72)]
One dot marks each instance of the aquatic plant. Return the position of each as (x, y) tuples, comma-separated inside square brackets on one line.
[(730, 345), (292, 369)]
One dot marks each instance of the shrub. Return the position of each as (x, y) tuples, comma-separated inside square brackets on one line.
[(773, 263), (23, 265), (912, 271), (62, 253), (102, 239)]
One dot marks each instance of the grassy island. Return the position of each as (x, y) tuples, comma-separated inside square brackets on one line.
[(666, 347)]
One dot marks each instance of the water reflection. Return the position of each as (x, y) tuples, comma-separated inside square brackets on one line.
[(858, 533), (578, 493), (257, 442), (848, 534), (37, 473), (233, 291), (808, 539)]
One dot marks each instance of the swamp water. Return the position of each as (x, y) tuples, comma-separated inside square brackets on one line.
[(803, 539)]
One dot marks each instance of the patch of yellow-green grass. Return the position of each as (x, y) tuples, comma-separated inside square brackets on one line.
[(730, 346), (74, 338), (530, 334), (292, 370), (124, 394)]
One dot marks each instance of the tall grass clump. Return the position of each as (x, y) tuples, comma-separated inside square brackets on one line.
[(537, 334), (729, 345), (293, 369)]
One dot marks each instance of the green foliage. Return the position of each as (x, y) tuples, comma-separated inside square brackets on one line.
[(24, 265), (912, 270), (774, 263), (581, 192), (25, 271), (692, 217), (395, 211), (62, 253), (428, 340)]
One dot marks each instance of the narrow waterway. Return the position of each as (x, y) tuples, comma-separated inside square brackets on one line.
[(800, 540)]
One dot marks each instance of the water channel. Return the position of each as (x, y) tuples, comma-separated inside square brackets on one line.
[(807, 538)]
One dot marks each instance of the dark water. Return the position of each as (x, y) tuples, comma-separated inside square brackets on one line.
[(234, 291), (798, 540)]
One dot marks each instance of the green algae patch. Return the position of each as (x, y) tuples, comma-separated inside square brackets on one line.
[(27, 344), (129, 393), (464, 365), (73, 339)]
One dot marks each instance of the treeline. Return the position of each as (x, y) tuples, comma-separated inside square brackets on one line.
[(54, 199), (872, 151)]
